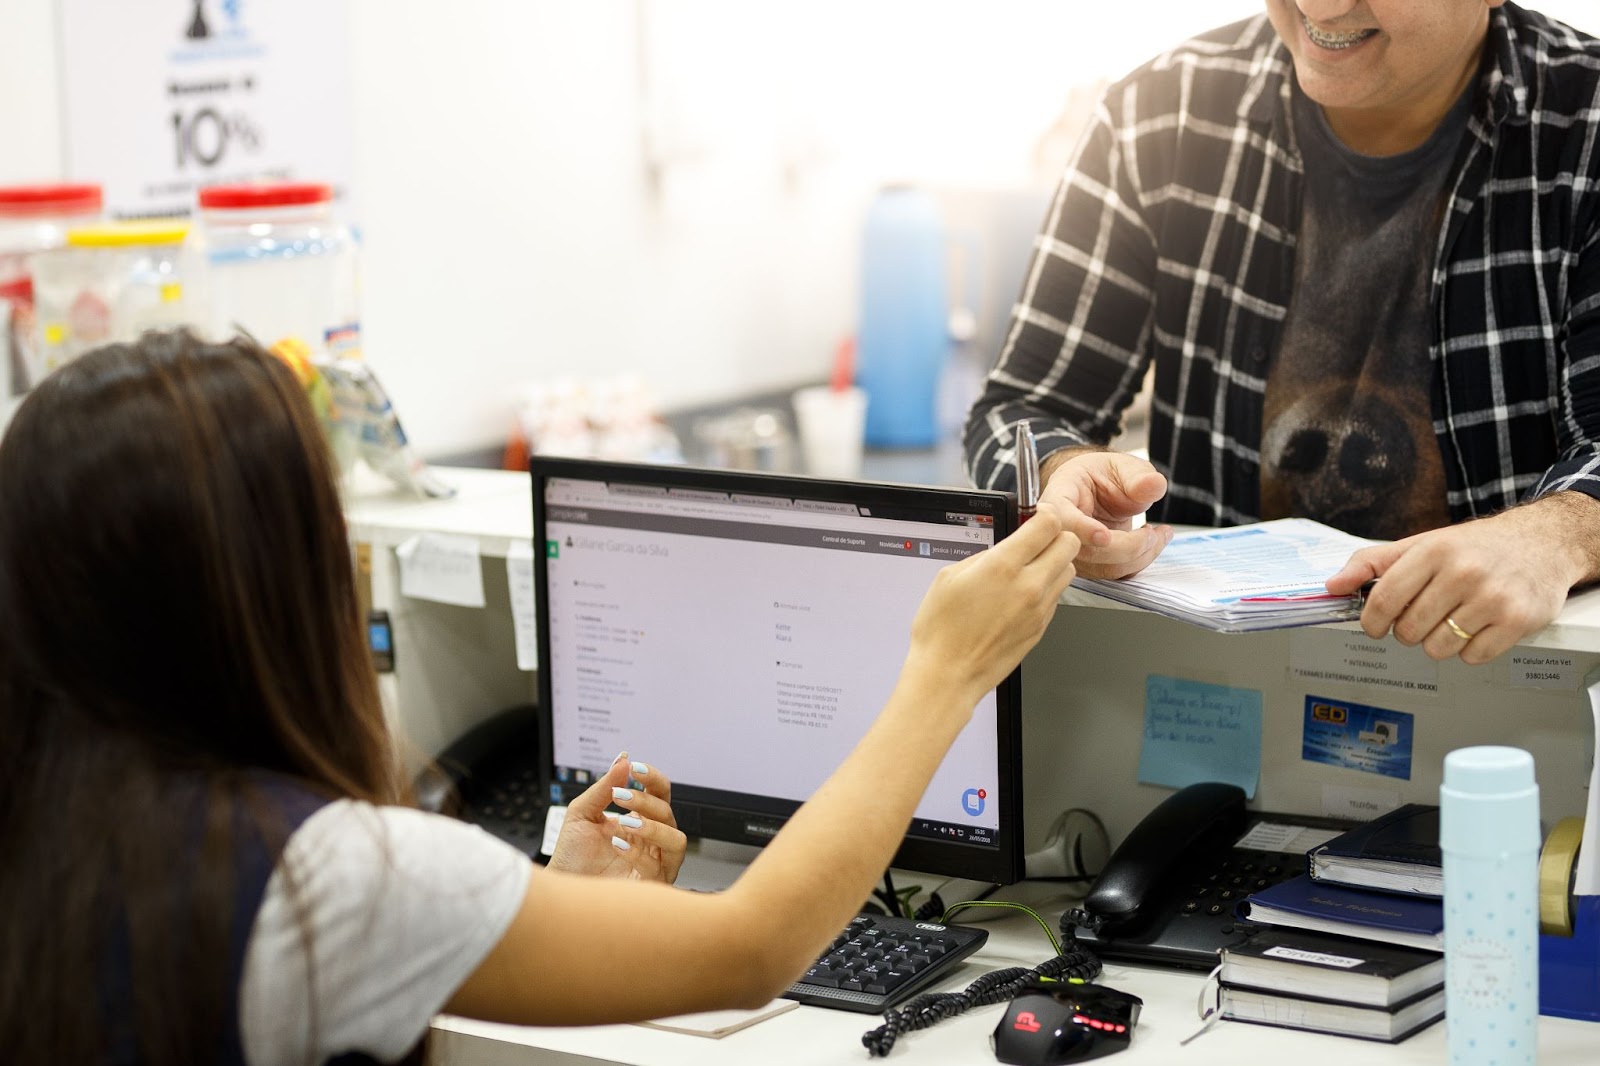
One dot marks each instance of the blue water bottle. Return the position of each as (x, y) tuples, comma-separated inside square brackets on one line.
[(904, 337), (1489, 837)]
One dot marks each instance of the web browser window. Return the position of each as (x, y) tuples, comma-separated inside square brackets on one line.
[(745, 640)]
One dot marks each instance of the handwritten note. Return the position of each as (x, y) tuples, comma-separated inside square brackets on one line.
[(1199, 732), (519, 582), (442, 568)]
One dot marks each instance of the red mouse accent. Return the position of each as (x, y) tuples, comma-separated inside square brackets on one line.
[(1027, 1022)]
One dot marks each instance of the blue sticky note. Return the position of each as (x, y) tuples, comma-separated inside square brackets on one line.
[(1354, 735), (1199, 732)]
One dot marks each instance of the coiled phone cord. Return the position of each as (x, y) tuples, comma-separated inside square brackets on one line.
[(1078, 918), (932, 1007)]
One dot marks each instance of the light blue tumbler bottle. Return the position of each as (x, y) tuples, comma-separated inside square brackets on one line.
[(904, 337), (1489, 837)]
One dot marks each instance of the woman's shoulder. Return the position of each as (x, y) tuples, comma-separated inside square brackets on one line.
[(354, 833)]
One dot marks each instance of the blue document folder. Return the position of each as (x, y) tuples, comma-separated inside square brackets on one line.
[(1301, 903)]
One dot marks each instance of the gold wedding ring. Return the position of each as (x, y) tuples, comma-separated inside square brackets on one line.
[(1457, 630)]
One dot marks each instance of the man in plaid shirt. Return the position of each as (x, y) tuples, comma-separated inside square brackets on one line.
[(1359, 243)]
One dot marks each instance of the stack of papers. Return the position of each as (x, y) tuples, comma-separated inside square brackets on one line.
[(1267, 575)]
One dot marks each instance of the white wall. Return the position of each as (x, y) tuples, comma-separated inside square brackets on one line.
[(673, 187)]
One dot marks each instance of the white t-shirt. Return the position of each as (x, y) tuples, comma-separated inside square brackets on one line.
[(400, 906)]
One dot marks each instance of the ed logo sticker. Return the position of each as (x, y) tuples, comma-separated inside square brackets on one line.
[(1354, 735)]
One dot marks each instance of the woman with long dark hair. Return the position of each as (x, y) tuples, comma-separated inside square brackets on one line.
[(208, 856)]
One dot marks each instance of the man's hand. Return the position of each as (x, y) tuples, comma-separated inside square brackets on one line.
[(651, 846), (1098, 494), (1476, 589)]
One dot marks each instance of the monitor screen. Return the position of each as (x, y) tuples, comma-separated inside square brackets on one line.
[(742, 630)]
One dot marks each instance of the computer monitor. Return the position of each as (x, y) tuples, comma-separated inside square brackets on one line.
[(741, 630)]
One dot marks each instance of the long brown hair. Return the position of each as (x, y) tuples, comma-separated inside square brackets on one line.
[(177, 604)]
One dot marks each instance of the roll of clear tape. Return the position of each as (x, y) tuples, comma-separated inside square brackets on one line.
[(1558, 864)]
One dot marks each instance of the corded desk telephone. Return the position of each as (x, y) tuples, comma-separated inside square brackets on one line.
[(1168, 892), (490, 776)]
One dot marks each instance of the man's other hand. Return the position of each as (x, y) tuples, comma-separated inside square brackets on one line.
[(1098, 494), (1478, 588)]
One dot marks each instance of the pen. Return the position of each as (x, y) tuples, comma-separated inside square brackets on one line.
[(1027, 459)]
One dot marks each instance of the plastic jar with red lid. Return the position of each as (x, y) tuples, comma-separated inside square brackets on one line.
[(33, 218), (281, 264), (112, 281)]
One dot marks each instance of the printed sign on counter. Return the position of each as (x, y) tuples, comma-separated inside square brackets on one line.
[(1337, 655), (1538, 668), (1199, 732), (160, 99)]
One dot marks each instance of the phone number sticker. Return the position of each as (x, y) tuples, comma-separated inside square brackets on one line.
[(1371, 739)]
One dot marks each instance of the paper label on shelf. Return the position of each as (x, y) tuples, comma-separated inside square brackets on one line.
[(1544, 669), (554, 818), (1353, 735), (519, 582), (1199, 732), (441, 567), (1336, 655), (1362, 804)]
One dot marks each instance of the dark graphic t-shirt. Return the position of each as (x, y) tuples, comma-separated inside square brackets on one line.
[(1348, 434)]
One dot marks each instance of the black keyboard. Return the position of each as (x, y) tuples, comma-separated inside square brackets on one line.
[(878, 962)]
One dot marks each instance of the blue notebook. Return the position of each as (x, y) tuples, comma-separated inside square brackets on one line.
[(1395, 852), (1301, 903)]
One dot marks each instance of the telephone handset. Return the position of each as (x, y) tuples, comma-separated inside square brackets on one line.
[(491, 776), (1168, 892), (1199, 820)]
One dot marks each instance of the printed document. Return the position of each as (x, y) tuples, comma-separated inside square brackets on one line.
[(1266, 575)]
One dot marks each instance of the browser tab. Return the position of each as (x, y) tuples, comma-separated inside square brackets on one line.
[(622, 488), (703, 495), (777, 503), (829, 507)]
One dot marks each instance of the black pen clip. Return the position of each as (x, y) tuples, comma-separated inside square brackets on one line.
[(1364, 593)]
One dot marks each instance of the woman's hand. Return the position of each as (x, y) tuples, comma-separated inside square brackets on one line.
[(641, 842), (983, 614)]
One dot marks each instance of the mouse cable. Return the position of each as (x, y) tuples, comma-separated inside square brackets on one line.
[(893, 905), (1055, 944), (933, 909), (931, 1008)]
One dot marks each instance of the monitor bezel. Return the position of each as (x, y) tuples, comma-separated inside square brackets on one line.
[(696, 814)]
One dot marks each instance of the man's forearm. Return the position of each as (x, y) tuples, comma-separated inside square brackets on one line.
[(1573, 521)]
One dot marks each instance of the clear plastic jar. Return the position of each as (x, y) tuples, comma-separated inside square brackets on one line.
[(33, 218), (112, 282), (280, 265)]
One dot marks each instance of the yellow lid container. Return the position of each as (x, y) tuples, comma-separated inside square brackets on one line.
[(125, 234)]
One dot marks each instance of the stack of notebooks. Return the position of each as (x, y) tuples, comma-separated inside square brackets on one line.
[(1357, 943)]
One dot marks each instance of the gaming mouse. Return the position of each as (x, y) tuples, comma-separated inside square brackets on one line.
[(1058, 1022)]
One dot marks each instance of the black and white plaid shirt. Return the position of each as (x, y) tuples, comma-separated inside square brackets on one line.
[(1172, 239)]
